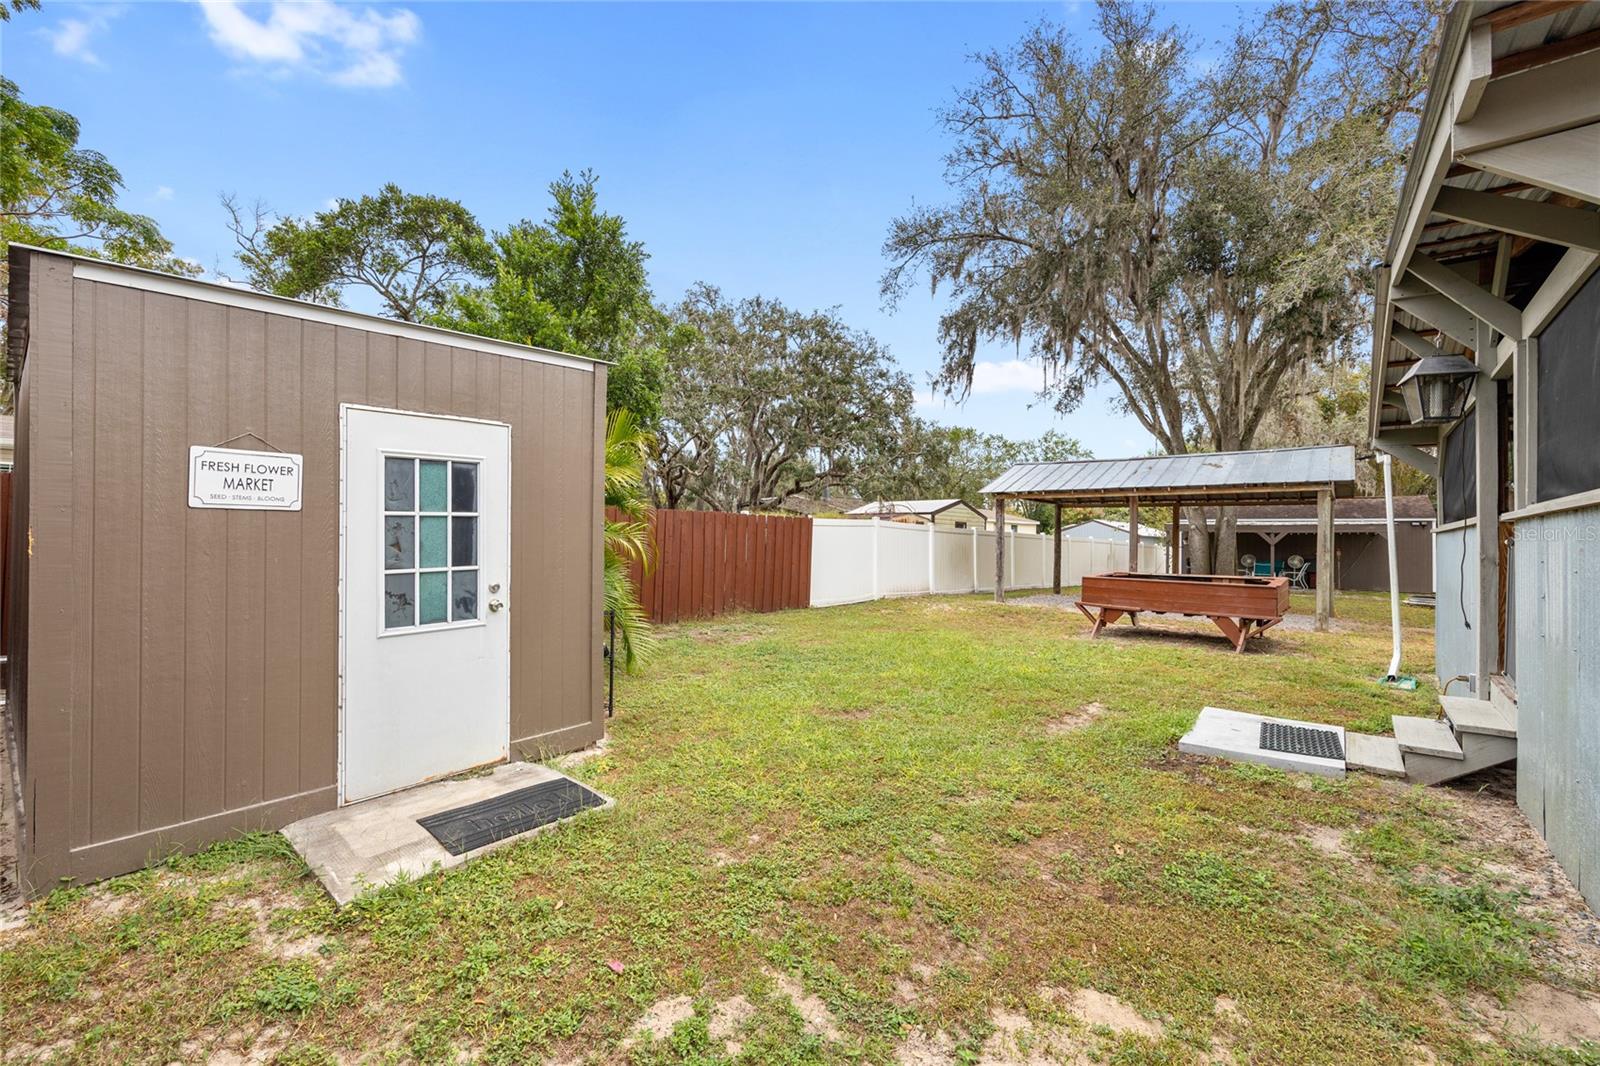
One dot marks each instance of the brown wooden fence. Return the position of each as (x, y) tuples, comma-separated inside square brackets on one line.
[(708, 563), (5, 562)]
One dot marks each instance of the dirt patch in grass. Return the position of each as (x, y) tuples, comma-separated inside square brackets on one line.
[(662, 1017), (731, 634), (1545, 1014), (1098, 1009), (1075, 719), (814, 1013), (1486, 803)]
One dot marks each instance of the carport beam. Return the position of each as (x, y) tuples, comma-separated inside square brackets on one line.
[(1133, 534), (1325, 575), (1056, 583), (999, 549)]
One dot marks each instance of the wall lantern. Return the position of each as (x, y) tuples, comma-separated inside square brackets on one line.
[(1437, 387)]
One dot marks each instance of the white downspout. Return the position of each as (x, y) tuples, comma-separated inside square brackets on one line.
[(1394, 569)]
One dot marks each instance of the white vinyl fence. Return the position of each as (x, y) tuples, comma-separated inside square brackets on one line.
[(853, 560)]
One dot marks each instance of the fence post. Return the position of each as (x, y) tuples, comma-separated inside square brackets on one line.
[(974, 560), (875, 522), (932, 532)]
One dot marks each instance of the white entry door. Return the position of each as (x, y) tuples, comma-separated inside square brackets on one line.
[(427, 637)]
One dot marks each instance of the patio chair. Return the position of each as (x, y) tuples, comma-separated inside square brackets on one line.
[(1297, 568), (1263, 570), (1247, 565)]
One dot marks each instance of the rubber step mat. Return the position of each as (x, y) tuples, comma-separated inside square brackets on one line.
[(1300, 740), (478, 824)]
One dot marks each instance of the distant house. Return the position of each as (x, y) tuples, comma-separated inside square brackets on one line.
[(8, 441), (1112, 530), (1272, 533), (1020, 523), (947, 514)]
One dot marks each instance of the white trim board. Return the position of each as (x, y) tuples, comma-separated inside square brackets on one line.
[(249, 299)]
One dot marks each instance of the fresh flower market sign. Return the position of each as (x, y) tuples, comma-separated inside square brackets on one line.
[(243, 480)]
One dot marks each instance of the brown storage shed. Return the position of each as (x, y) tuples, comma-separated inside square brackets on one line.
[(263, 559)]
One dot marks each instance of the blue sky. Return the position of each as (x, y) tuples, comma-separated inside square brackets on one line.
[(761, 147)]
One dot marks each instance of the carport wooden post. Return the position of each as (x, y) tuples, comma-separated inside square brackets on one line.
[(999, 549), (1325, 576), (1056, 583), (1175, 565), (1133, 534)]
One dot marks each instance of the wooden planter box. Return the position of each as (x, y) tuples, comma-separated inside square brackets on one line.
[(1240, 606)]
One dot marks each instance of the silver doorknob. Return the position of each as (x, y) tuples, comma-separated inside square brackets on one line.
[(496, 605)]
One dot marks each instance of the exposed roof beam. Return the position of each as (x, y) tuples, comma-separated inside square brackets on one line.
[(1546, 53), (1477, 62), (1474, 299), (1411, 342), (1557, 289), (1516, 14), (1410, 455), (1442, 313), (1569, 226), (1563, 162), (1547, 99)]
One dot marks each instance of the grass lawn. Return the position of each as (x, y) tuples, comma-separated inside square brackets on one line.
[(931, 830)]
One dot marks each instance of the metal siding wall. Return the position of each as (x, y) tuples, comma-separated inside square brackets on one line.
[(1456, 647), (1557, 558), (197, 650)]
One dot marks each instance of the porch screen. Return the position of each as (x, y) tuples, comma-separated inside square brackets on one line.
[(1567, 451), (1458, 483)]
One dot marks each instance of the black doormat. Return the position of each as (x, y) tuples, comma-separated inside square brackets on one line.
[(1298, 740), (487, 821)]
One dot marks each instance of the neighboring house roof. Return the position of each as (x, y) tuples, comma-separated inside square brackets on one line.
[(1259, 473), (1012, 516), (810, 505), (1357, 510), (1145, 532), (926, 508)]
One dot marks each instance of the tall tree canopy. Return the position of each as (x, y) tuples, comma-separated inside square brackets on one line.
[(767, 401), (410, 250), (576, 283), (55, 194), (1189, 237)]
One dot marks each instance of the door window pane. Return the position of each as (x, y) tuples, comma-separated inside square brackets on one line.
[(397, 542), (431, 486), (430, 532), (464, 541), (464, 595), (463, 486), (398, 609), (398, 487), (431, 541), (432, 597)]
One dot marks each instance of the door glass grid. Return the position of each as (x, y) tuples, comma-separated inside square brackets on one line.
[(430, 542)]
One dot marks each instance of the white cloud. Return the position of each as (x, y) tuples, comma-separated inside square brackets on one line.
[(1013, 375), (164, 192), (72, 37), (359, 47)]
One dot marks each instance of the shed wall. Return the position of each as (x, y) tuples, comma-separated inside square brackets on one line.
[(1557, 561), (1456, 605), (181, 680)]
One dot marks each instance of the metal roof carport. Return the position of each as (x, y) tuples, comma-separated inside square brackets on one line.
[(1278, 475)]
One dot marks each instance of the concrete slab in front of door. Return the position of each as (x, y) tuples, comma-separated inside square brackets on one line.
[(377, 842)]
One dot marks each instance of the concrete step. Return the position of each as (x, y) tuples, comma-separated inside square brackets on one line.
[(1426, 736), (1479, 750), (1375, 755), (1468, 714)]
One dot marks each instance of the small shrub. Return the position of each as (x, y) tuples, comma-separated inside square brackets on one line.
[(285, 989), (1466, 937), (1210, 880)]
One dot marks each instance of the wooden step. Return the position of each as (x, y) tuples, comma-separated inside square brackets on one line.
[(1426, 736), (1375, 755), (1469, 714)]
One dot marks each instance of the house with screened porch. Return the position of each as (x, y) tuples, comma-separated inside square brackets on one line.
[(1486, 374)]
